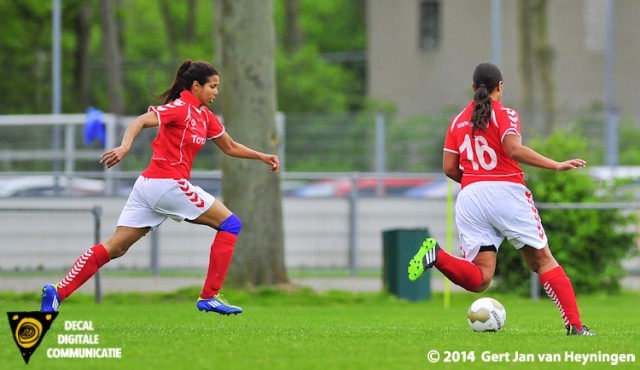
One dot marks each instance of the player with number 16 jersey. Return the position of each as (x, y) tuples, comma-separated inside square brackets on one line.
[(482, 155), (482, 151)]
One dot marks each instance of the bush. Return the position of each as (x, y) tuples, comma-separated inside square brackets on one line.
[(588, 243)]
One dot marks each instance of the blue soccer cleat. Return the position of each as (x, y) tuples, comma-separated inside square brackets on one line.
[(219, 305), (50, 298)]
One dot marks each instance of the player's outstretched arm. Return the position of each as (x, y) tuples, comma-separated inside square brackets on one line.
[(523, 154), (235, 149), (114, 156)]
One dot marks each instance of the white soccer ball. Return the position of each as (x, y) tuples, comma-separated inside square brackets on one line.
[(486, 314)]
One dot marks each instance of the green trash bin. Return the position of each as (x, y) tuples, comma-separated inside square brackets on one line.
[(399, 246)]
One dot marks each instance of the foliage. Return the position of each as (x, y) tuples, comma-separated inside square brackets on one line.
[(306, 83), (155, 39), (320, 21), (588, 243), (415, 144), (592, 122), (629, 137), (329, 142)]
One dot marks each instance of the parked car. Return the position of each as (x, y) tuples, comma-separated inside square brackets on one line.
[(367, 187), (436, 189), (42, 186)]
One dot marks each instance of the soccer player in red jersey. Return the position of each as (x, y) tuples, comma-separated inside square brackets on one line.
[(163, 189), (482, 149)]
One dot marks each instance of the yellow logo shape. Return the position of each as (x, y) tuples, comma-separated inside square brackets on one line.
[(28, 330)]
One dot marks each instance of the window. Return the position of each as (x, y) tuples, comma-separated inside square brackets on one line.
[(429, 25)]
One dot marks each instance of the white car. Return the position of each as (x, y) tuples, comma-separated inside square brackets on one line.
[(38, 186)]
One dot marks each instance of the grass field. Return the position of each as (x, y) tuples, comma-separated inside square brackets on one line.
[(302, 329)]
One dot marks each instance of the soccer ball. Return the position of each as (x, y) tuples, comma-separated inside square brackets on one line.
[(486, 314)]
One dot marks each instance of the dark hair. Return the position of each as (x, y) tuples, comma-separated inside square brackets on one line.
[(188, 72), (486, 77)]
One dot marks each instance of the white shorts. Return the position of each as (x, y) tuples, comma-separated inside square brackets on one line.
[(153, 200), (488, 212)]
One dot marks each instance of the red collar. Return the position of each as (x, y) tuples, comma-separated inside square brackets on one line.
[(187, 97)]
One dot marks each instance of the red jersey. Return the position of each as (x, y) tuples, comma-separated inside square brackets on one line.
[(482, 155), (185, 125)]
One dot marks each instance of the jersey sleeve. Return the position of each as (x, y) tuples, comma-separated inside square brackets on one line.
[(214, 126), (170, 113), (508, 122), (450, 143)]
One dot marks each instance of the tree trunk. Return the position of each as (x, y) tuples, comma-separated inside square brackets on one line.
[(171, 27), (526, 62), (544, 60), (81, 75), (112, 57), (294, 38), (190, 25), (248, 97), (536, 65)]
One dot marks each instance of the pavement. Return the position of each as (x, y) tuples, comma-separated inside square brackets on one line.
[(170, 284)]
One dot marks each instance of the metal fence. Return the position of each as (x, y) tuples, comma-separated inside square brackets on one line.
[(27, 234), (333, 220)]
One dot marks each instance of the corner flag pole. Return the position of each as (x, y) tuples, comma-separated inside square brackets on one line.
[(449, 241)]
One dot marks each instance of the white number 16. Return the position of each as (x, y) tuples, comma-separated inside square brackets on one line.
[(477, 156)]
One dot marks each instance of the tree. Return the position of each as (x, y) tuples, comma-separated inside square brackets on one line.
[(294, 36), (113, 57), (81, 56), (248, 99), (536, 58)]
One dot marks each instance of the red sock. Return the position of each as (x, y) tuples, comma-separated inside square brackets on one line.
[(83, 269), (460, 271), (219, 262), (558, 287)]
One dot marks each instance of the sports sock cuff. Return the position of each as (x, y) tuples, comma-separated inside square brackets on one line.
[(101, 254), (225, 236), (443, 257), (553, 273)]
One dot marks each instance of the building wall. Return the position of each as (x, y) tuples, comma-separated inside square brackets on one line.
[(422, 82)]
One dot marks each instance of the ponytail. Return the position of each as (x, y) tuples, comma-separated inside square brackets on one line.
[(486, 78), (188, 72), (481, 109)]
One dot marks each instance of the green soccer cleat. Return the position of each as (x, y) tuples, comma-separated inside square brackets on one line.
[(424, 259)]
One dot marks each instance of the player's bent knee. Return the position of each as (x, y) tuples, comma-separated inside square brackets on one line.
[(482, 287), (231, 224), (115, 251)]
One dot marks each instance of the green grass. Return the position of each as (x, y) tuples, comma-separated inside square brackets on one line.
[(336, 330)]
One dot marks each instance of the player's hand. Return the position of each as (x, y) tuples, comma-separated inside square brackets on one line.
[(114, 156), (571, 164), (272, 161)]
